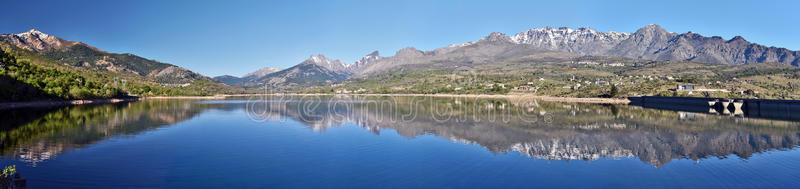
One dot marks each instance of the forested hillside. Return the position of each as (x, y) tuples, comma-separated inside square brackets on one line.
[(20, 80), (26, 76)]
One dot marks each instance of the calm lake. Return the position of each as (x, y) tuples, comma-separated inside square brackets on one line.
[(394, 142)]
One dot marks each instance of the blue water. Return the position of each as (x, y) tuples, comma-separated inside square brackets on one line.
[(225, 148)]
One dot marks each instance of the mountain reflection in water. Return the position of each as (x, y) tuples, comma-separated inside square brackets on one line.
[(546, 130), (35, 135)]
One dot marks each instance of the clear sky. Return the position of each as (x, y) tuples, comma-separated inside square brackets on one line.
[(237, 37)]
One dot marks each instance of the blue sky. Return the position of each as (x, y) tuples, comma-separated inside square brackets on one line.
[(237, 37)]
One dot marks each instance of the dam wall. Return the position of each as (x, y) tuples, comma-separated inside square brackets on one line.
[(763, 108)]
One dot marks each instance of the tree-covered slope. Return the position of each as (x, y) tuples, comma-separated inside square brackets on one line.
[(28, 76), (79, 54), (21, 80)]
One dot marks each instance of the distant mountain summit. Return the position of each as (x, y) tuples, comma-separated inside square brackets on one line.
[(650, 42), (581, 40), (36, 41), (246, 78), (364, 61), (261, 72), (82, 55), (315, 71), (332, 65), (655, 43)]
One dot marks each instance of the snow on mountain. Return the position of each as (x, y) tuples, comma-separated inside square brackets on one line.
[(365, 61), (321, 60), (581, 40), (36, 41), (261, 72)]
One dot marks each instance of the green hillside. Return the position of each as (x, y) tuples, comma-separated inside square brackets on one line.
[(82, 54), (27, 76), (21, 80)]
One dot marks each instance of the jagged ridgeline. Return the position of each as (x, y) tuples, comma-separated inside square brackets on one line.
[(585, 63), (579, 62)]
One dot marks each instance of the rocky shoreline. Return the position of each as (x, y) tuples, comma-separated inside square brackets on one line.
[(52, 103), (186, 97)]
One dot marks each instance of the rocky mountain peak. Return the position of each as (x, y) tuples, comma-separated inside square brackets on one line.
[(691, 35), (496, 37), (261, 72), (373, 54), (365, 61), (409, 52), (35, 40), (368, 58), (33, 32), (651, 30), (321, 60), (737, 39), (652, 27), (582, 40)]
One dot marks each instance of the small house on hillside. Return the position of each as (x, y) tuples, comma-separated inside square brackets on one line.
[(685, 87), (524, 88)]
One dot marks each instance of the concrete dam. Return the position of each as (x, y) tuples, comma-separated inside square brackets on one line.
[(759, 108)]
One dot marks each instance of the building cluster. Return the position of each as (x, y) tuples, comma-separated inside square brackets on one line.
[(346, 91), (593, 63), (529, 86)]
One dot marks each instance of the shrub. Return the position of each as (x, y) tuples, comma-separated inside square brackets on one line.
[(79, 93)]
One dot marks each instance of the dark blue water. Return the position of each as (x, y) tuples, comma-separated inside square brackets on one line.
[(185, 144)]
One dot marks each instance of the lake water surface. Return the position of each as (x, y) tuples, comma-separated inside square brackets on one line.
[(394, 142)]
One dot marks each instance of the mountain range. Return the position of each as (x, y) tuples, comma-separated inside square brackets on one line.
[(316, 70), (647, 43), (650, 42), (655, 43), (240, 81)]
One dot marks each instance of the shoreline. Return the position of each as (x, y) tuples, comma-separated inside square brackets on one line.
[(526, 96), (57, 103), (185, 97), (54, 103)]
